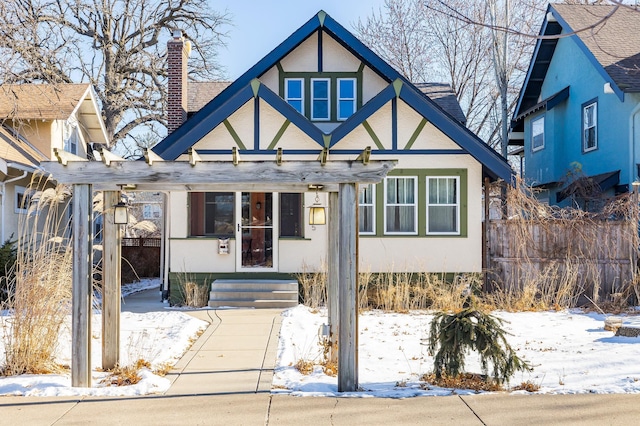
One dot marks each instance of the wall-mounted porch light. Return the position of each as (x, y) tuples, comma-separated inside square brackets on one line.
[(317, 213)]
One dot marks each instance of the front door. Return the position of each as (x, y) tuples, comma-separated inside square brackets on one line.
[(256, 231)]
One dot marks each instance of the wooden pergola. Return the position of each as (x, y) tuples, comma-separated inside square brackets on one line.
[(338, 178)]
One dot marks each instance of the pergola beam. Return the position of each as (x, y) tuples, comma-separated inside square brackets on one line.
[(218, 172)]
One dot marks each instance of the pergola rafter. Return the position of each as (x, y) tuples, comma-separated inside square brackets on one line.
[(339, 178)]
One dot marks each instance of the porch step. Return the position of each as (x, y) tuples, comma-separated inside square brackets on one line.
[(254, 293)]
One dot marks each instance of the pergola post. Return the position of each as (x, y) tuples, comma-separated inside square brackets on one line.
[(333, 260), (111, 280), (348, 290), (81, 286)]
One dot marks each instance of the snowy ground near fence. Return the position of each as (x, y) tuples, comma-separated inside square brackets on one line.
[(570, 351)]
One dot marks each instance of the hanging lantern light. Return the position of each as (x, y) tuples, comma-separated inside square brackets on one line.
[(317, 213)]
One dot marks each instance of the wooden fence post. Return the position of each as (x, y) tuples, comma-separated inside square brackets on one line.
[(81, 286), (347, 294)]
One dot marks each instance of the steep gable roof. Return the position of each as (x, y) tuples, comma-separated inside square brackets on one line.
[(247, 86), (40, 101), (614, 42), (612, 46)]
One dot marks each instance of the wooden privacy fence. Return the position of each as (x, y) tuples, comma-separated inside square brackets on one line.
[(599, 257), (141, 258)]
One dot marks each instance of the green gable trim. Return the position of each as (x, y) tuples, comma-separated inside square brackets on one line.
[(416, 133), (278, 135), (233, 134), (255, 85), (327, 140), (321, 17), (422, 175), (373, 135), (397, 86)]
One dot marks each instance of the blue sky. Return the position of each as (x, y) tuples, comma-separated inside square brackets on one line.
[(260, 25)]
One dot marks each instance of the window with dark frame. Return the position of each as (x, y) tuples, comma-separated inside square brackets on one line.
[(291, 217), (590, 126), (537, 133)]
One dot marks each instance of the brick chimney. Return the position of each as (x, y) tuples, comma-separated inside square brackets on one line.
[(177, 54)]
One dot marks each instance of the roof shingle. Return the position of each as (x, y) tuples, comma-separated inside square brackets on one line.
[(40, 101), (615, 43)]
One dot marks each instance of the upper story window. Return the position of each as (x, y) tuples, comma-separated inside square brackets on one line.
[(443, 205), (71, 136), (323, 96), (367, 209), (590, 126), (401, 208), (346, 97), (537, 133), (294, 93), (320, 99)]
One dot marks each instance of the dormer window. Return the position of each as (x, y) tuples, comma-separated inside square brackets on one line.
[(320, 99)]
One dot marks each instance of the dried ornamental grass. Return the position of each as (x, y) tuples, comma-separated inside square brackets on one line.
[(40, 296)]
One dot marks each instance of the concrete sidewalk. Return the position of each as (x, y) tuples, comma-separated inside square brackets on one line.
[(225, 379)]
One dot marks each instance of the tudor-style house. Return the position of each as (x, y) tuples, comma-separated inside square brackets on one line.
[(579, 107), (323, 95)]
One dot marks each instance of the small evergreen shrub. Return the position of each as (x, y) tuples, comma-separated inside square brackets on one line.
[(452, 336)]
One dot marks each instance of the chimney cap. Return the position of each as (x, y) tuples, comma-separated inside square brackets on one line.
[(177, 34)]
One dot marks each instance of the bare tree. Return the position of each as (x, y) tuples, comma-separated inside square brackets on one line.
[(119, 46), (468, 49), (399, 34)]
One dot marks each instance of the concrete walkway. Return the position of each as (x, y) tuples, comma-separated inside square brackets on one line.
[(225, 378)]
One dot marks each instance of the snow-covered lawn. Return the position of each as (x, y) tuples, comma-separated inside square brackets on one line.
[(571, 353), (157, 337), (570, 350)]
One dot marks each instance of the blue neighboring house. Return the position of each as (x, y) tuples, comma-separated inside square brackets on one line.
[(579, 107)]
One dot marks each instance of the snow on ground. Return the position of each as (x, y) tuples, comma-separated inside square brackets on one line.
[(157, 337), (570, 351)]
